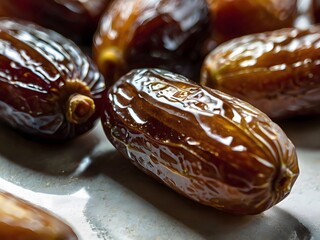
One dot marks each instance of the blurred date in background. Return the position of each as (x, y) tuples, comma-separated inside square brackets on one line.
[(74, 19)]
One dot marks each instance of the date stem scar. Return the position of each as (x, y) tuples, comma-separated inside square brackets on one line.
[(79, 108), (285, 182), (75, 101)]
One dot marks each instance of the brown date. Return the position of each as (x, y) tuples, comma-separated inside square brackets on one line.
[(24, 221), (278, 71), (234, 18), (206, 145), (48, 87), (74, 19), (167, 34)]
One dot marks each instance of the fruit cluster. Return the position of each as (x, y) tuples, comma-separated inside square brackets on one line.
[(173, 82)]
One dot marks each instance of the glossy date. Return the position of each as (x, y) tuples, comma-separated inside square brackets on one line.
[(206, 145), (48, 87), (167, 34), (24, 221), (74, 19), (278, 71)]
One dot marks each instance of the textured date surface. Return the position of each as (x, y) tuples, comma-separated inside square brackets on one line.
[(166, 34), (22, 220), (48, 87), (234, 18), (206, 145), (278, 71), (74, 19)]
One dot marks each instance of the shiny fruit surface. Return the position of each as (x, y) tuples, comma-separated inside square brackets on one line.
[(204, 144), (48, 87), (277, 71), (167, 34)]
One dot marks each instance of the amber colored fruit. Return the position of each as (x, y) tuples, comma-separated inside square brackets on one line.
[(24, 221), (167, 34), (234, 18), (74, 19), (206, 145), (278, 72), (48, 87)]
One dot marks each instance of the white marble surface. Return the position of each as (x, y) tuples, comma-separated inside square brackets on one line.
[(102, 196)]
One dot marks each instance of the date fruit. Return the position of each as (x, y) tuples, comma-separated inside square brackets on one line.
[(48, 87), (234, 18), (206, 145), (24, 221), (277, 72), (74, 19), (167, 34)]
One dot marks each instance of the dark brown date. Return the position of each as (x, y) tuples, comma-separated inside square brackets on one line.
[(278, 71), (167, 34), (234, 18), (206, 145), (48, 87), (74, 19), (24, 221)]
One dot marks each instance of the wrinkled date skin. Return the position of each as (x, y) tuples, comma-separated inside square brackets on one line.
[(278, 72), (234, 18), (74, 19), (48, 87), (24, 221), (206, 145), (167, 34)]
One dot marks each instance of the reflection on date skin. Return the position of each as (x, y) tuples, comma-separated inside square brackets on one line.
[(208, 146), (48, 88), (277, 71), (167, 34)]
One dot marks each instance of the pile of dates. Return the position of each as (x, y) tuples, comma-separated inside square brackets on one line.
[(186, 90)]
